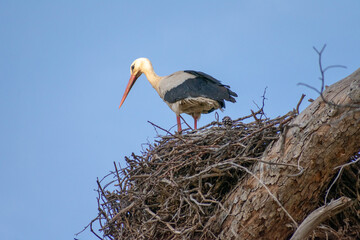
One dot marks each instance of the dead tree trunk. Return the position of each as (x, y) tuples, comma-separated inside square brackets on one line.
[(321, 138)]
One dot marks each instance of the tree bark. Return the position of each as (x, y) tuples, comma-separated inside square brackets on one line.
[(319, 139)]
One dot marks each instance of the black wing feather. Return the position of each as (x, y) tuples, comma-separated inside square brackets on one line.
[(201, 85)]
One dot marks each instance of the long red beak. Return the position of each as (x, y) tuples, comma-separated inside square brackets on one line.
[(128, 88)]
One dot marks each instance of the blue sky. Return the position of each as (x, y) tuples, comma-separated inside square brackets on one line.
[(64, 66)]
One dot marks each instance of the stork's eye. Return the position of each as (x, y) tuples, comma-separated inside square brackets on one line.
[(132, 68)]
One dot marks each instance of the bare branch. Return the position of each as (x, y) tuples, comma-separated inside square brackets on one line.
[(332, 184), (320, 215), (348, 164), (298, 105), (166, 131), (322, 79)]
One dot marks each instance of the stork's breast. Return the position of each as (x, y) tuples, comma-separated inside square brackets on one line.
[(196, 105)]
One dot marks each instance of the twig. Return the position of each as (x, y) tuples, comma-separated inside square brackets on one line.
[(254, 116), (124, 210), (298, 105), (166, 131), (186, 123), (248, 116), (338, 176), (158, 218), (92, 230), (320, 215), (117, 174), (332, 184), (348, 164), (322, 79), (76, 234), (263, 104)]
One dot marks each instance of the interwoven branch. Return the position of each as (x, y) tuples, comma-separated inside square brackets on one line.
[(179, 183)]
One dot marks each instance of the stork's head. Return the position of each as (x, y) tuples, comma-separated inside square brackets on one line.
[(138, 67)]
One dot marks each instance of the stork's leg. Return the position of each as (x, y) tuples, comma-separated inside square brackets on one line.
[(195, 122), (178, 122)]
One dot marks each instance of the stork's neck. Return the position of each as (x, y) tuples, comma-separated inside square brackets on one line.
[(152, 77)]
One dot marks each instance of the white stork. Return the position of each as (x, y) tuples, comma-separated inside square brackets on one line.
[(189, 92)]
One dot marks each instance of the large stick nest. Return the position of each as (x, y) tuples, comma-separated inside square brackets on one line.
[(178, 184), (174, 189)]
